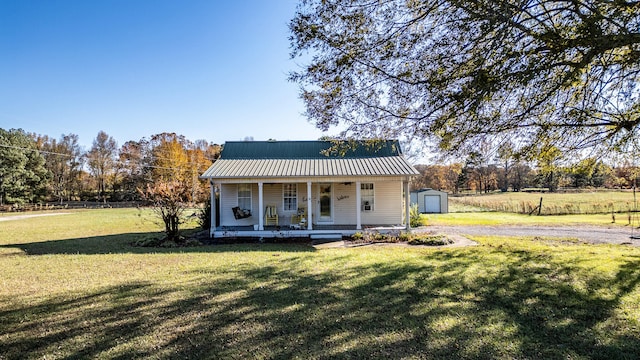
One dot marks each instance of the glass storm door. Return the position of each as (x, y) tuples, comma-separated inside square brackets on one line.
[(325, 196)]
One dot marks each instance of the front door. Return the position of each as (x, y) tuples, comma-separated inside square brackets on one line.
[(325, 210)]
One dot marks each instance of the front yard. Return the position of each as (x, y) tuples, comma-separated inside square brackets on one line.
[(73, 287)]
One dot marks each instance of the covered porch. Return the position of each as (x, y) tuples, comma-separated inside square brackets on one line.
[(308, 188), (305, 208)]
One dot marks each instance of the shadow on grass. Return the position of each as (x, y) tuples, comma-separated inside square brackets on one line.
[(123, 244), (443, 306)]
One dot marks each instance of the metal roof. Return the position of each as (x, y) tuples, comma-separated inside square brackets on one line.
[(306, 159), (309, 149)]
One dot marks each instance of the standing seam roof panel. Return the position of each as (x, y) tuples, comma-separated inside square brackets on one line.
[(266, 166), (289, 167), (368, 168), (248, 168), (274, 169), (296, 169), (382, 167), (281, 168), (339, 167), (228, 167), (359, 167), (397, 166)]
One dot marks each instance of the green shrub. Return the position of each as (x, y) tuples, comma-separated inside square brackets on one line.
[(204, 216), (430, 240), (415, 218), (379, 236), (148, 242)]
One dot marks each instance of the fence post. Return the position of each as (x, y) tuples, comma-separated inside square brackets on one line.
[(540, 206)]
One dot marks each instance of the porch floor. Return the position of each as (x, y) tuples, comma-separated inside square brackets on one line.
[(286, 231)]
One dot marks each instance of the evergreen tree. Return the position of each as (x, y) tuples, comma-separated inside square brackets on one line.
[(23, 177)]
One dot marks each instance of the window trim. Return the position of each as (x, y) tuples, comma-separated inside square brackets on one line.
[(364, 196), (250, 197), (295, 197)]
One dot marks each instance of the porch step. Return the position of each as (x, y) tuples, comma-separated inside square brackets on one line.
[(326, 236)]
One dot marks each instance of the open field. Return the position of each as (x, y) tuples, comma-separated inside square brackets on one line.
[(552, 203), (504, 218), (73, 287)]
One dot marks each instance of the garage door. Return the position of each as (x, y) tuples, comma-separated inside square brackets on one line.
[(431, 203)]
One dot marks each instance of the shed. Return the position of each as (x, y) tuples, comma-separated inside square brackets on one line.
[(430, 201)]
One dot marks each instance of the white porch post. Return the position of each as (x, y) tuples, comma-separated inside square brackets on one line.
[(212, 229), (358, 207), (309, 206), (260, 207), (407, 205)]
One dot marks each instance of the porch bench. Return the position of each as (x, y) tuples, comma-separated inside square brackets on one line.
[(240, 213)]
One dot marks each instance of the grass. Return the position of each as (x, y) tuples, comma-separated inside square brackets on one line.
[(71, 286), (504, 218), (552, 203)]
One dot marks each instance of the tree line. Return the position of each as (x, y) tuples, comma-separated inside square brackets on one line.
[(483, 174), (35, 168)]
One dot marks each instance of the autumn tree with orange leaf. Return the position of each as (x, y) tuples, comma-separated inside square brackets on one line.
[(175, 186)]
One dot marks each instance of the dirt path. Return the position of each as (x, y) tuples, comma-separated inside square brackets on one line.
[(590, 234), (21, 217)]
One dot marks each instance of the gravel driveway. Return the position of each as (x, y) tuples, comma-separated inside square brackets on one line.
[(587, 233)]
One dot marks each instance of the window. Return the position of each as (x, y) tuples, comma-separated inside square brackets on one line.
[(290, 197), (244, 196), (366, 196)]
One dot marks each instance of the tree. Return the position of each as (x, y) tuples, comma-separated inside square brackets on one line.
[(168, 199), (459, 71), (101, 160), (520, 176), (548, 167), (64, 162), (506, 158), (133, 169), (175, 157), (23, 177), (589, 172), (482, 176), (170, 158), (201, 155), (440, 177)]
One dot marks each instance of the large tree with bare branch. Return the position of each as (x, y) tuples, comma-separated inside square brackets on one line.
[(457, 71)]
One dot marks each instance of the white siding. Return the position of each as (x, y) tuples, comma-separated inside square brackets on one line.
[(388, 208), (344, 199), (388, 204), (273, 195), (229, 195)]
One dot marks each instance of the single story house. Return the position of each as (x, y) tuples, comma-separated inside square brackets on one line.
[(306, 188), (430, 201)]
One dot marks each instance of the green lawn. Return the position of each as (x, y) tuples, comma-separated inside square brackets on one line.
[(504, 218), (73, 287)]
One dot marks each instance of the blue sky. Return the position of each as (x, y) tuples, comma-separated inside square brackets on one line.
[(206, 69)]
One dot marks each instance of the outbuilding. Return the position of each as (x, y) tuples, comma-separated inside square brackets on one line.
[(430, 201)]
